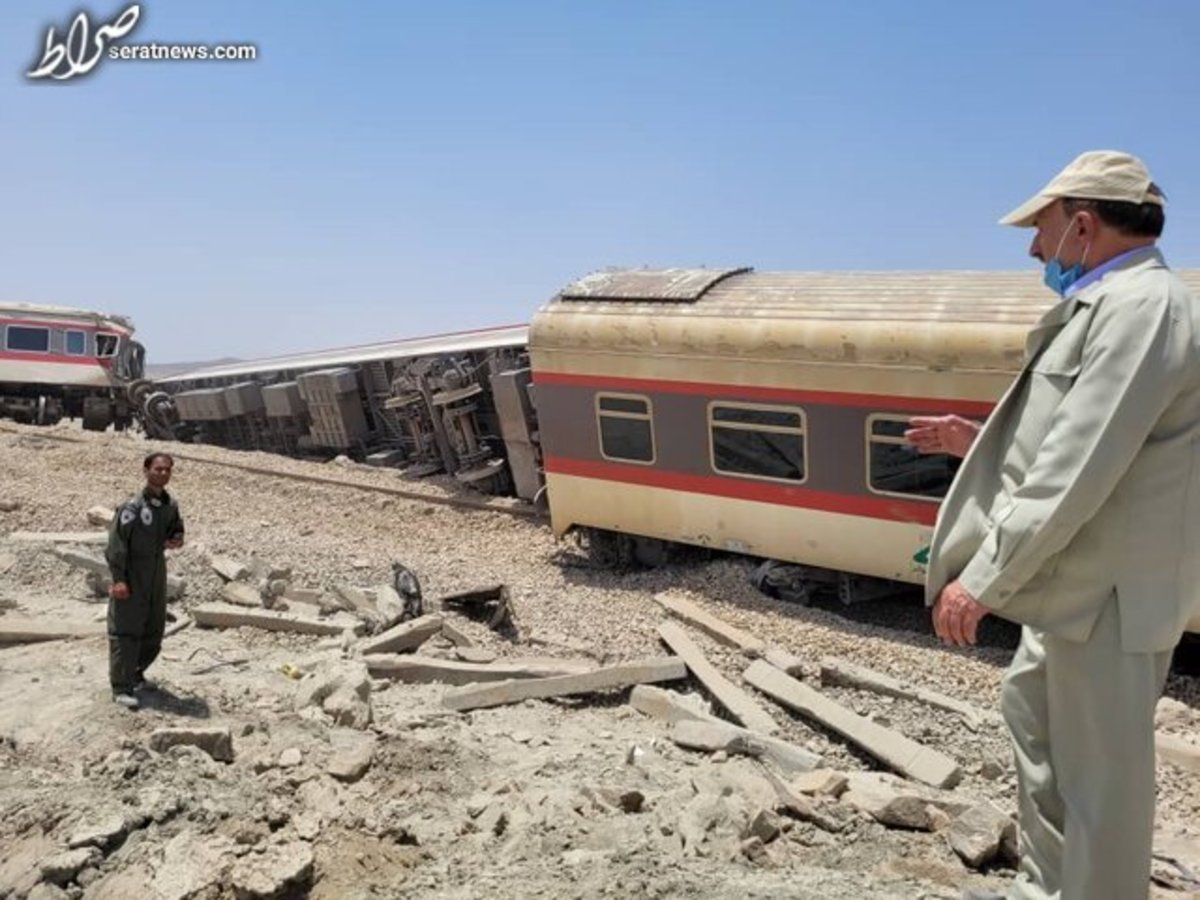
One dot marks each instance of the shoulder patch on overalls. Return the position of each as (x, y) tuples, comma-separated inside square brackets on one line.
[(127, 515), (147, 516)]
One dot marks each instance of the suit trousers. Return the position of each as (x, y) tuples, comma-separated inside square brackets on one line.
[(1081, 715)]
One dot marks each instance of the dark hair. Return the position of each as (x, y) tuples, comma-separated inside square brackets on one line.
[(151, 457), (1133, 219)]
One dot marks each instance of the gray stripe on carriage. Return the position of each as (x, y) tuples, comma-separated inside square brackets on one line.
[(836, 442)]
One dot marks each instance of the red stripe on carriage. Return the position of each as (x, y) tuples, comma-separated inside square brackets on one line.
[(876, 402), (872, 507)]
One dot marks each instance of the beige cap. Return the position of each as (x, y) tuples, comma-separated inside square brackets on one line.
[(1095, 175)]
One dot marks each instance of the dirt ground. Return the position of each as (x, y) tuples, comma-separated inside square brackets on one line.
[(579, 797)]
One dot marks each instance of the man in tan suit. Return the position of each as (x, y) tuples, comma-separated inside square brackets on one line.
[(1077, 514)]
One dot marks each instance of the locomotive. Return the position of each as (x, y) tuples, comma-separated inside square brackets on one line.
[(57, 362)]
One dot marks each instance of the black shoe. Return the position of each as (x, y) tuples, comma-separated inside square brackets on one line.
[(144, 685)]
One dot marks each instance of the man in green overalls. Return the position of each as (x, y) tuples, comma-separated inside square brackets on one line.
[(144, 527)]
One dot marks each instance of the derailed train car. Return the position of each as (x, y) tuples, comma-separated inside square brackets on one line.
[(453, 403), (758, 413), (763, 413), (56, 361)]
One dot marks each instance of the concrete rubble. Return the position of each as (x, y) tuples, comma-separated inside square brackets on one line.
[(278, 869), (216, 742), (899, 803), (299, 748), (978, 834), (100, 832), (62, 868), (351, 755), (341, 690), (230, 569)]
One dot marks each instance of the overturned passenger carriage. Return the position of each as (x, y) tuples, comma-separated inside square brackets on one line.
[(764, 413), (453, 403)]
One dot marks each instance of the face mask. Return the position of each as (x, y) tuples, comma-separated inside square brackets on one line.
[(1056, 277)]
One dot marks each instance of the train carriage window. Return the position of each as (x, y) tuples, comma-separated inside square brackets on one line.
[(27, 339), (76, 344), (626, 428), (897, 469), (756, 441), (106, 344)]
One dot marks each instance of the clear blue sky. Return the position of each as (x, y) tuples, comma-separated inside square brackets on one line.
[(396, 169)]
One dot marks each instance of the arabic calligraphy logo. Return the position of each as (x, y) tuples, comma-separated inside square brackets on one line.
[(80, 51)]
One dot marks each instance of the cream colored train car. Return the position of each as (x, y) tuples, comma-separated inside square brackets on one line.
[(762, 412)]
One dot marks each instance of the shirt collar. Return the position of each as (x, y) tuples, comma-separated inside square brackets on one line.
[(1094, 275)]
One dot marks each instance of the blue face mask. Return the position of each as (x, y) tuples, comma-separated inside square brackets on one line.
[(1059, 279), (1056, 277)]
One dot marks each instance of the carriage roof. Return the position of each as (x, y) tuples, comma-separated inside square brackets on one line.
[(966, 319), (66, 313)]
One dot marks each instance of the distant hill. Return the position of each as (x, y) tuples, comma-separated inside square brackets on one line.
[(166, 370)]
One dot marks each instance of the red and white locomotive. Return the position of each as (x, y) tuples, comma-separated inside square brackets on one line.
[(57, 362)]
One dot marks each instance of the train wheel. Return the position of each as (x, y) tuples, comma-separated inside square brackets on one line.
[(138, 391), (606, 549), (40, 415), (651, 552), (97, 413)]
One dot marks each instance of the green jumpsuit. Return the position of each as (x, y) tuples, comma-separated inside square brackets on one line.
[(136, 542)]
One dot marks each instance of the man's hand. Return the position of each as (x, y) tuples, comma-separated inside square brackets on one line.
[(942, 434), (956, 615), (173, 543), (119, 591)]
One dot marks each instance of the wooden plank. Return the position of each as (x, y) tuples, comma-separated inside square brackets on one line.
[(60, 537), (848, 674), (405, 636), (25, 631), (890, 747), (644, 671), (715, 628), (423, 670), (668, 706), (741, 707), (221, 615)]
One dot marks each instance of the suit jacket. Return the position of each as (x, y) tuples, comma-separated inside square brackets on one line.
[(1085, 480)]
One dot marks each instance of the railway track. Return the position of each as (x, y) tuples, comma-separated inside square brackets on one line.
[(468, 503)]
